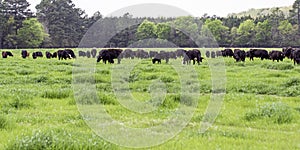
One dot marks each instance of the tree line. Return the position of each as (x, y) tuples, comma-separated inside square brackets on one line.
[(59, 23)]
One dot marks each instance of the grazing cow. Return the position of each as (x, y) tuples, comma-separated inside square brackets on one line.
[(288, 52), (127, 53), (219, 53), (194, 55), (109, 55), (142, 54), (154, 60), (213, 54), (9, 54), (81, 53), (37, 54), (94, 53), (276, 55), (296, 56), (63, 54), (24, 54), (71, 53), (172, 55), (48, 55), (163, 55), (227, 53), (4, 55), (207, 54), (239, 55), (259, 53), (88, 54), (153, 54), (180, 53), (54, 55)]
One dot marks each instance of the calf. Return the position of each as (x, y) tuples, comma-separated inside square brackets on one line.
[(154, 60)]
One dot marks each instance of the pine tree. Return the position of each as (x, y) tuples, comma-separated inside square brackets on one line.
[(295, 13)]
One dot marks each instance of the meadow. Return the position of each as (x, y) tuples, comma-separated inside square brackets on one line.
[(261, 108)]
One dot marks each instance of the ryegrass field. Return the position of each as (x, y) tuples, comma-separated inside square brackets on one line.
[(261, 108)]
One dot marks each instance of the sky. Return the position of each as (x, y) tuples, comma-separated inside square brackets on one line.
[(194, 7)]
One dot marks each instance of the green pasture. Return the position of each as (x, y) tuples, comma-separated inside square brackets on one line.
[(261, 108)]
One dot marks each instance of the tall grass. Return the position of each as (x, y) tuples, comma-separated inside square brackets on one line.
[(261, 104)]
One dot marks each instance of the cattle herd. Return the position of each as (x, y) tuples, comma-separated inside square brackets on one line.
[(187, 56)]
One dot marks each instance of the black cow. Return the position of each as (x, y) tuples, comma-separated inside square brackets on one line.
[(142, 54), (94, 53), (163, 55), (296, 56), (172, 55), (180, 53), (109, 55), (37, 54), (213, 54), (48, 55), (153, 54), (259, 53), (154, 60), (81, 53), (219, 53), (4, 55), (9, 54), (54, 55), (128, 53), (276, 55), (63, 54), (24, 54), (239, 55), (227, 53), (288, 52), (207, 54), (88, 54), (194, 55), (71, 53)]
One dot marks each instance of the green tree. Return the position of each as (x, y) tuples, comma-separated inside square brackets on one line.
[(18, 9), (146, 29), (295, 13), (2, 24), (10, 37), (32, 34), (163, 31), (64, 23), (263, 33), (286, 33), (246, 33), (13, 12), (275, 18), (185, 32), (218, 30)]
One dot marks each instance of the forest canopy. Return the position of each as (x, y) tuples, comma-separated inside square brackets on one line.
[(59, 24)]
